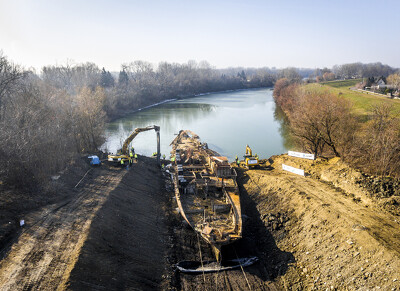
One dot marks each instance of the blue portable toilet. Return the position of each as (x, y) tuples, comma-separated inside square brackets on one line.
[(94, 160)]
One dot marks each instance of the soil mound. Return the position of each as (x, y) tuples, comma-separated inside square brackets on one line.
[(339, 235)]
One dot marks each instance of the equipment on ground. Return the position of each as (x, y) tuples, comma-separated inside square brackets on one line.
[(94, 160), (250, 160), (123, 154)]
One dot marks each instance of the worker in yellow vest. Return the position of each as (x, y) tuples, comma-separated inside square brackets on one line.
[(122, 162)]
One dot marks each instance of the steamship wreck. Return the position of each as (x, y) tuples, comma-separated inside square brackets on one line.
[(206, 191)]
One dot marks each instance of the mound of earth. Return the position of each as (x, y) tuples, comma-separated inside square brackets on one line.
[(339, 236)]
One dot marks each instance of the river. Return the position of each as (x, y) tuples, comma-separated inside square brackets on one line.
[(227, 121)]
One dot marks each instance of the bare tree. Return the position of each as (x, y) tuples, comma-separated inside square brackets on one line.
[(91, 118), (292, 74), (394, 80), (322, 120), (72, 78), (378, 146), (9, 76), (328, 76)]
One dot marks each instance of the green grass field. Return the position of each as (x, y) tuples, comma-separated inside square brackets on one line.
[(363, 103), (342, 83)]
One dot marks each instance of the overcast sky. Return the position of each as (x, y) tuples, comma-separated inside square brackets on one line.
[(245, 33)]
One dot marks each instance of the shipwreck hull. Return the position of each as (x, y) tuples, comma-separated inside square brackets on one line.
[(206, 191)]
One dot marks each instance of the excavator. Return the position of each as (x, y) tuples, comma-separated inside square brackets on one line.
[(124, 152), (250, 160)]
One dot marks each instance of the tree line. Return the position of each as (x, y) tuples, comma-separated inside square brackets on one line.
[(324, 123), (140, 83), (351, 71), (360, 70), (42, 127)]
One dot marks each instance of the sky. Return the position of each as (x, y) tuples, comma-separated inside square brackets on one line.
[(246, 33)]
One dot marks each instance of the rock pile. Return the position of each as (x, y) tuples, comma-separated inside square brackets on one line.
[(275, 221), (382, 187)]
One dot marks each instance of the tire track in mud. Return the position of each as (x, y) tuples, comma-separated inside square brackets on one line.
[(47, 251)]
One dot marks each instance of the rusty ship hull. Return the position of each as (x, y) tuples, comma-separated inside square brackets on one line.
[(206, 191)]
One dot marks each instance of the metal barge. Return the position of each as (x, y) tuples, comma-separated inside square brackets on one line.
[(206, 191)]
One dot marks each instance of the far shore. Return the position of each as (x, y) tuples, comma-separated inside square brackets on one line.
[(179, 98)]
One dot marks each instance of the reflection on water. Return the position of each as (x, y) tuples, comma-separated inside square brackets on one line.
[(226, 121), (283, 127)]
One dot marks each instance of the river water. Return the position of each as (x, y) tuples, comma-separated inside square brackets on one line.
[(226, 121)]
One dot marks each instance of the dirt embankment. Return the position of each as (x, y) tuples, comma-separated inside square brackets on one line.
[(126, 244), (340, 236), (106, 234)]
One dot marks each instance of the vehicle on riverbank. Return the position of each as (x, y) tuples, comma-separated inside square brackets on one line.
[(206, 191)]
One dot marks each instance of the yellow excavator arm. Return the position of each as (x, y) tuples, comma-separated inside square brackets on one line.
[(124, 154), (138, 130), (248, 151)]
